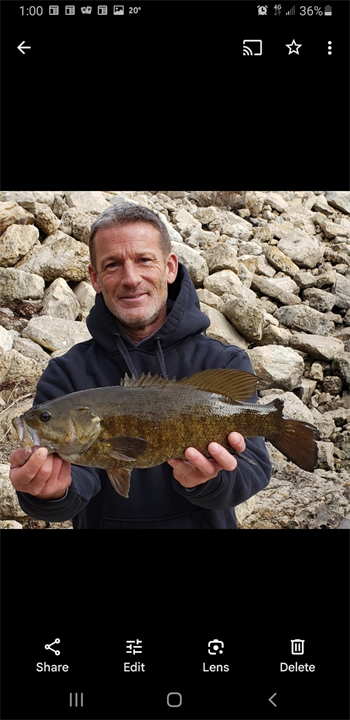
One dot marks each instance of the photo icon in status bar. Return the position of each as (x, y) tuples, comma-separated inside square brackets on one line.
[(86, 10)]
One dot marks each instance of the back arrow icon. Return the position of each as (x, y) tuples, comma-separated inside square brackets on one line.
[(22, 47), (271, 700)]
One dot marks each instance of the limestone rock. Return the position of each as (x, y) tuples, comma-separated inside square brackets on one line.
[(60, 301), (195, 263), (11, 213), (56, 333), (246, 318), (62, 257), (16, 241), (341, 291), (304, 250), (47, 221), (222, 256), (319, 347), (86, 297), (221, 329), (301, 317), (272, 288), (277, 366), (89, 201), (20, 285)]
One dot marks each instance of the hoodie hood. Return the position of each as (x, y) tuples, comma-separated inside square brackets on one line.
[(184, 318)]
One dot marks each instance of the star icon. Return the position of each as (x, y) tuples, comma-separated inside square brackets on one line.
[(293, 47)]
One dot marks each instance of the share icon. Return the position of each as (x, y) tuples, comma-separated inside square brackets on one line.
[(49, 647)]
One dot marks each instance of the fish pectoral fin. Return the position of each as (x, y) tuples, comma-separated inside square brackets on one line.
[(125, 447), (120, 480)]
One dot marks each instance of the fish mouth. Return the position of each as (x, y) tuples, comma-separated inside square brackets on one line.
[(28, 437)]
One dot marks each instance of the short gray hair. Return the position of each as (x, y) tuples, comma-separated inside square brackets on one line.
[(126, 213)]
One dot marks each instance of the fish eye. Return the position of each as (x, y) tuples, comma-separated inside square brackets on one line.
[(45, 415)]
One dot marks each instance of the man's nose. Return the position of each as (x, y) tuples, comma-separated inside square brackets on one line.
[(131, 275)]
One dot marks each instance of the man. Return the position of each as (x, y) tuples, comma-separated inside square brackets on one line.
[(146, 318)]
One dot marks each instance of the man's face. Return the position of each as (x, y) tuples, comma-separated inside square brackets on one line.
[(132, 274)]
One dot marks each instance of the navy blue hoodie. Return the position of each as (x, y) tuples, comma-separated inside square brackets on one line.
[(156, 500)]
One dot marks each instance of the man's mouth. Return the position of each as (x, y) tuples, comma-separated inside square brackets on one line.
[(131, 298)]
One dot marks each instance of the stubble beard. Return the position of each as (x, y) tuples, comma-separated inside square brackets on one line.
[(136, 322)]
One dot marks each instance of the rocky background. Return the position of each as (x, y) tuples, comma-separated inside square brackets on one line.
[(272, 272)]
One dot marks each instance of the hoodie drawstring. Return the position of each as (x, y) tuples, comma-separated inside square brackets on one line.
[(126, 356), (160, 357), (128, 360)]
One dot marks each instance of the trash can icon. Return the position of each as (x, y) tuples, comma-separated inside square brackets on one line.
[(297, 647)]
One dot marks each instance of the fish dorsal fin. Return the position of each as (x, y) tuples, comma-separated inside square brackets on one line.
[(146, 381), (233, 384)]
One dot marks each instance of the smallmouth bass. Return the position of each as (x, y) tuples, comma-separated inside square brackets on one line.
[(146, 421)]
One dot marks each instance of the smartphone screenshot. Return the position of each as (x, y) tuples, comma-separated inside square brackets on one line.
[(97, 96)]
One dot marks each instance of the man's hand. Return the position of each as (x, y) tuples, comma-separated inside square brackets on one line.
[(198, 469), (45, 476)]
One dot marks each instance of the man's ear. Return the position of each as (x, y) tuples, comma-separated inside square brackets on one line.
[(172, 265), (94, 279)]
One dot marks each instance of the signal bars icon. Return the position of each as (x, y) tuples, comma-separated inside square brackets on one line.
[(291, 11)]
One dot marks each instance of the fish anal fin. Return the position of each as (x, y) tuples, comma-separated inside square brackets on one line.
[(125, 447), (233, 384), (120, 480)]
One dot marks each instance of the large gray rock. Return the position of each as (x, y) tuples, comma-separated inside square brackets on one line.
[(16, 368), (60, 301), (320, 300), (16, 241), (301, 317), (339, 200), (224, 281), (280, 261), (273, 288), (221, 329), (319, 347), (86, 297), (59, 256), (304, 250), (341, 366), (56, 333), (277, 366), (195, 263), (20, 285), (341, 291), (89, 201), (222, 256), (11, 213), (246, 317)]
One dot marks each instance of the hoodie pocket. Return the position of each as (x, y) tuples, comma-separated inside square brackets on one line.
[(188, 521)]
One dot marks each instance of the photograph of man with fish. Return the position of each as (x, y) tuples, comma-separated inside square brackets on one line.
[(152, 423)]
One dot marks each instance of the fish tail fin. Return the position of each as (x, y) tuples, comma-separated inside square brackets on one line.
[(297, 440)]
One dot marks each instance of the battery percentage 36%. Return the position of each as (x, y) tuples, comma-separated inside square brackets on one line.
[(311, 10)]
